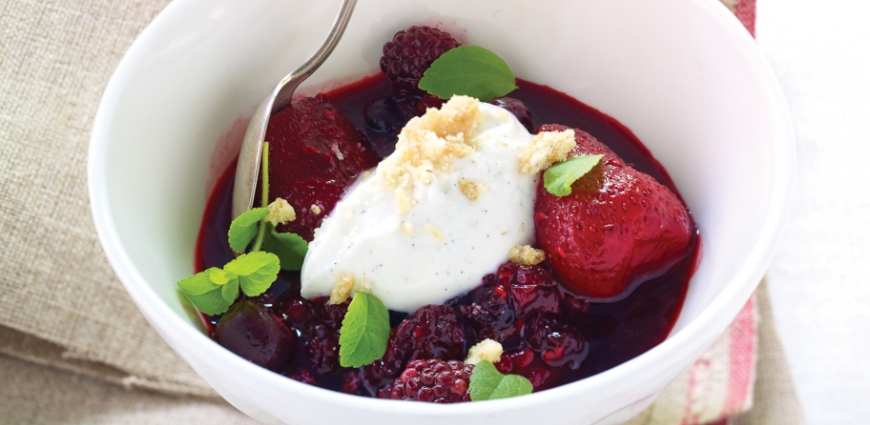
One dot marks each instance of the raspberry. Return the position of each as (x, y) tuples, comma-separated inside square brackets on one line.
[(410, 53), (432, 380), (433, 331)]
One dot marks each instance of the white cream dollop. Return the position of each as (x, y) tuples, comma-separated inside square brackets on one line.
[(460, 226)]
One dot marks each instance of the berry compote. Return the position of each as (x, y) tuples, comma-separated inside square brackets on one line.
[(549, 335)]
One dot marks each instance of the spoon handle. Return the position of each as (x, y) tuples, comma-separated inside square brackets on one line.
[(248, 165), (292, 81)]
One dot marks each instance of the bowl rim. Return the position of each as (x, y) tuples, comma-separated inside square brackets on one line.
[(717, 315)]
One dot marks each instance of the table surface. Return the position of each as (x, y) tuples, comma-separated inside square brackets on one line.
[(820, 290)]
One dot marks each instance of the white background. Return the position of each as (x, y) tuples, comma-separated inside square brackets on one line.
[(820, 50)]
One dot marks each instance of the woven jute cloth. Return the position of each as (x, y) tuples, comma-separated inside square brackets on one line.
[(73, 346)]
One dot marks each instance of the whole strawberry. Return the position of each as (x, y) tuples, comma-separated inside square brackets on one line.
[(314, 153), (617, 225), (433, 380), (410, 53)]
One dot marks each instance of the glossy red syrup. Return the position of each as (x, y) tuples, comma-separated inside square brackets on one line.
[(612, 332)]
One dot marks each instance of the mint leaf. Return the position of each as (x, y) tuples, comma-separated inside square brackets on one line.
[(559, 178), (469, 70), (230, 291), (205, 294), (244, 228), (256, 271), (218, 276), (364, 331), (487, 383), (199, 283), (289, 247)]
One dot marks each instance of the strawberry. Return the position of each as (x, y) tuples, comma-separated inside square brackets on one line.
[(314, 154), (617, 225)]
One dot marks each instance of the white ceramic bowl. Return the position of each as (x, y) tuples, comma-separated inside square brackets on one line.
[(682, 74)]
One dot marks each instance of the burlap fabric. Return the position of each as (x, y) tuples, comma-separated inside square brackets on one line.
[(73, 347)]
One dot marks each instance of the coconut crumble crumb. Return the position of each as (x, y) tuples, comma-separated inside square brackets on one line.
[(408, 228), (342, 289), (337, 152), (471, 189), (428, 145), (280, 212), (485, 350), (435, 232), (526, 255), (545, 149), (315, 210)]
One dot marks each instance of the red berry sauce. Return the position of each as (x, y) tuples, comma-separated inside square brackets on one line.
[(550, 336)]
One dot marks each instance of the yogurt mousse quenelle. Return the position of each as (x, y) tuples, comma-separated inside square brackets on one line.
[(475, 249), (434, 217)]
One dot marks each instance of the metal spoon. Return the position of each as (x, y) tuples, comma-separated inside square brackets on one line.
[(248, 167)]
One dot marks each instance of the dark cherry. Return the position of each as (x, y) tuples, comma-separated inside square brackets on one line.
[(250, 331)]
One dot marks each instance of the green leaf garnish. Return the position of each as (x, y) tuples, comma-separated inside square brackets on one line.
[(559, 178), (212, 291), (364, 331), (244, 228), (230, 291), (256, 271), (487, 383), (206, 295), (471, 71), (199, 283), (289, 247)]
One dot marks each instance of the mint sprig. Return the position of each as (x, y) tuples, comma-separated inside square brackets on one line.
[(487, 383), (364, 331), (471, 71), (559, 178), (212, 291), (245, 227)]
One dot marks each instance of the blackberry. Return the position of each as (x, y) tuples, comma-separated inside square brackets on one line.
[(558, 343), (432, 380), (490, 312), (523, 361), (519, 109), (432, 332), (410, 53)]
